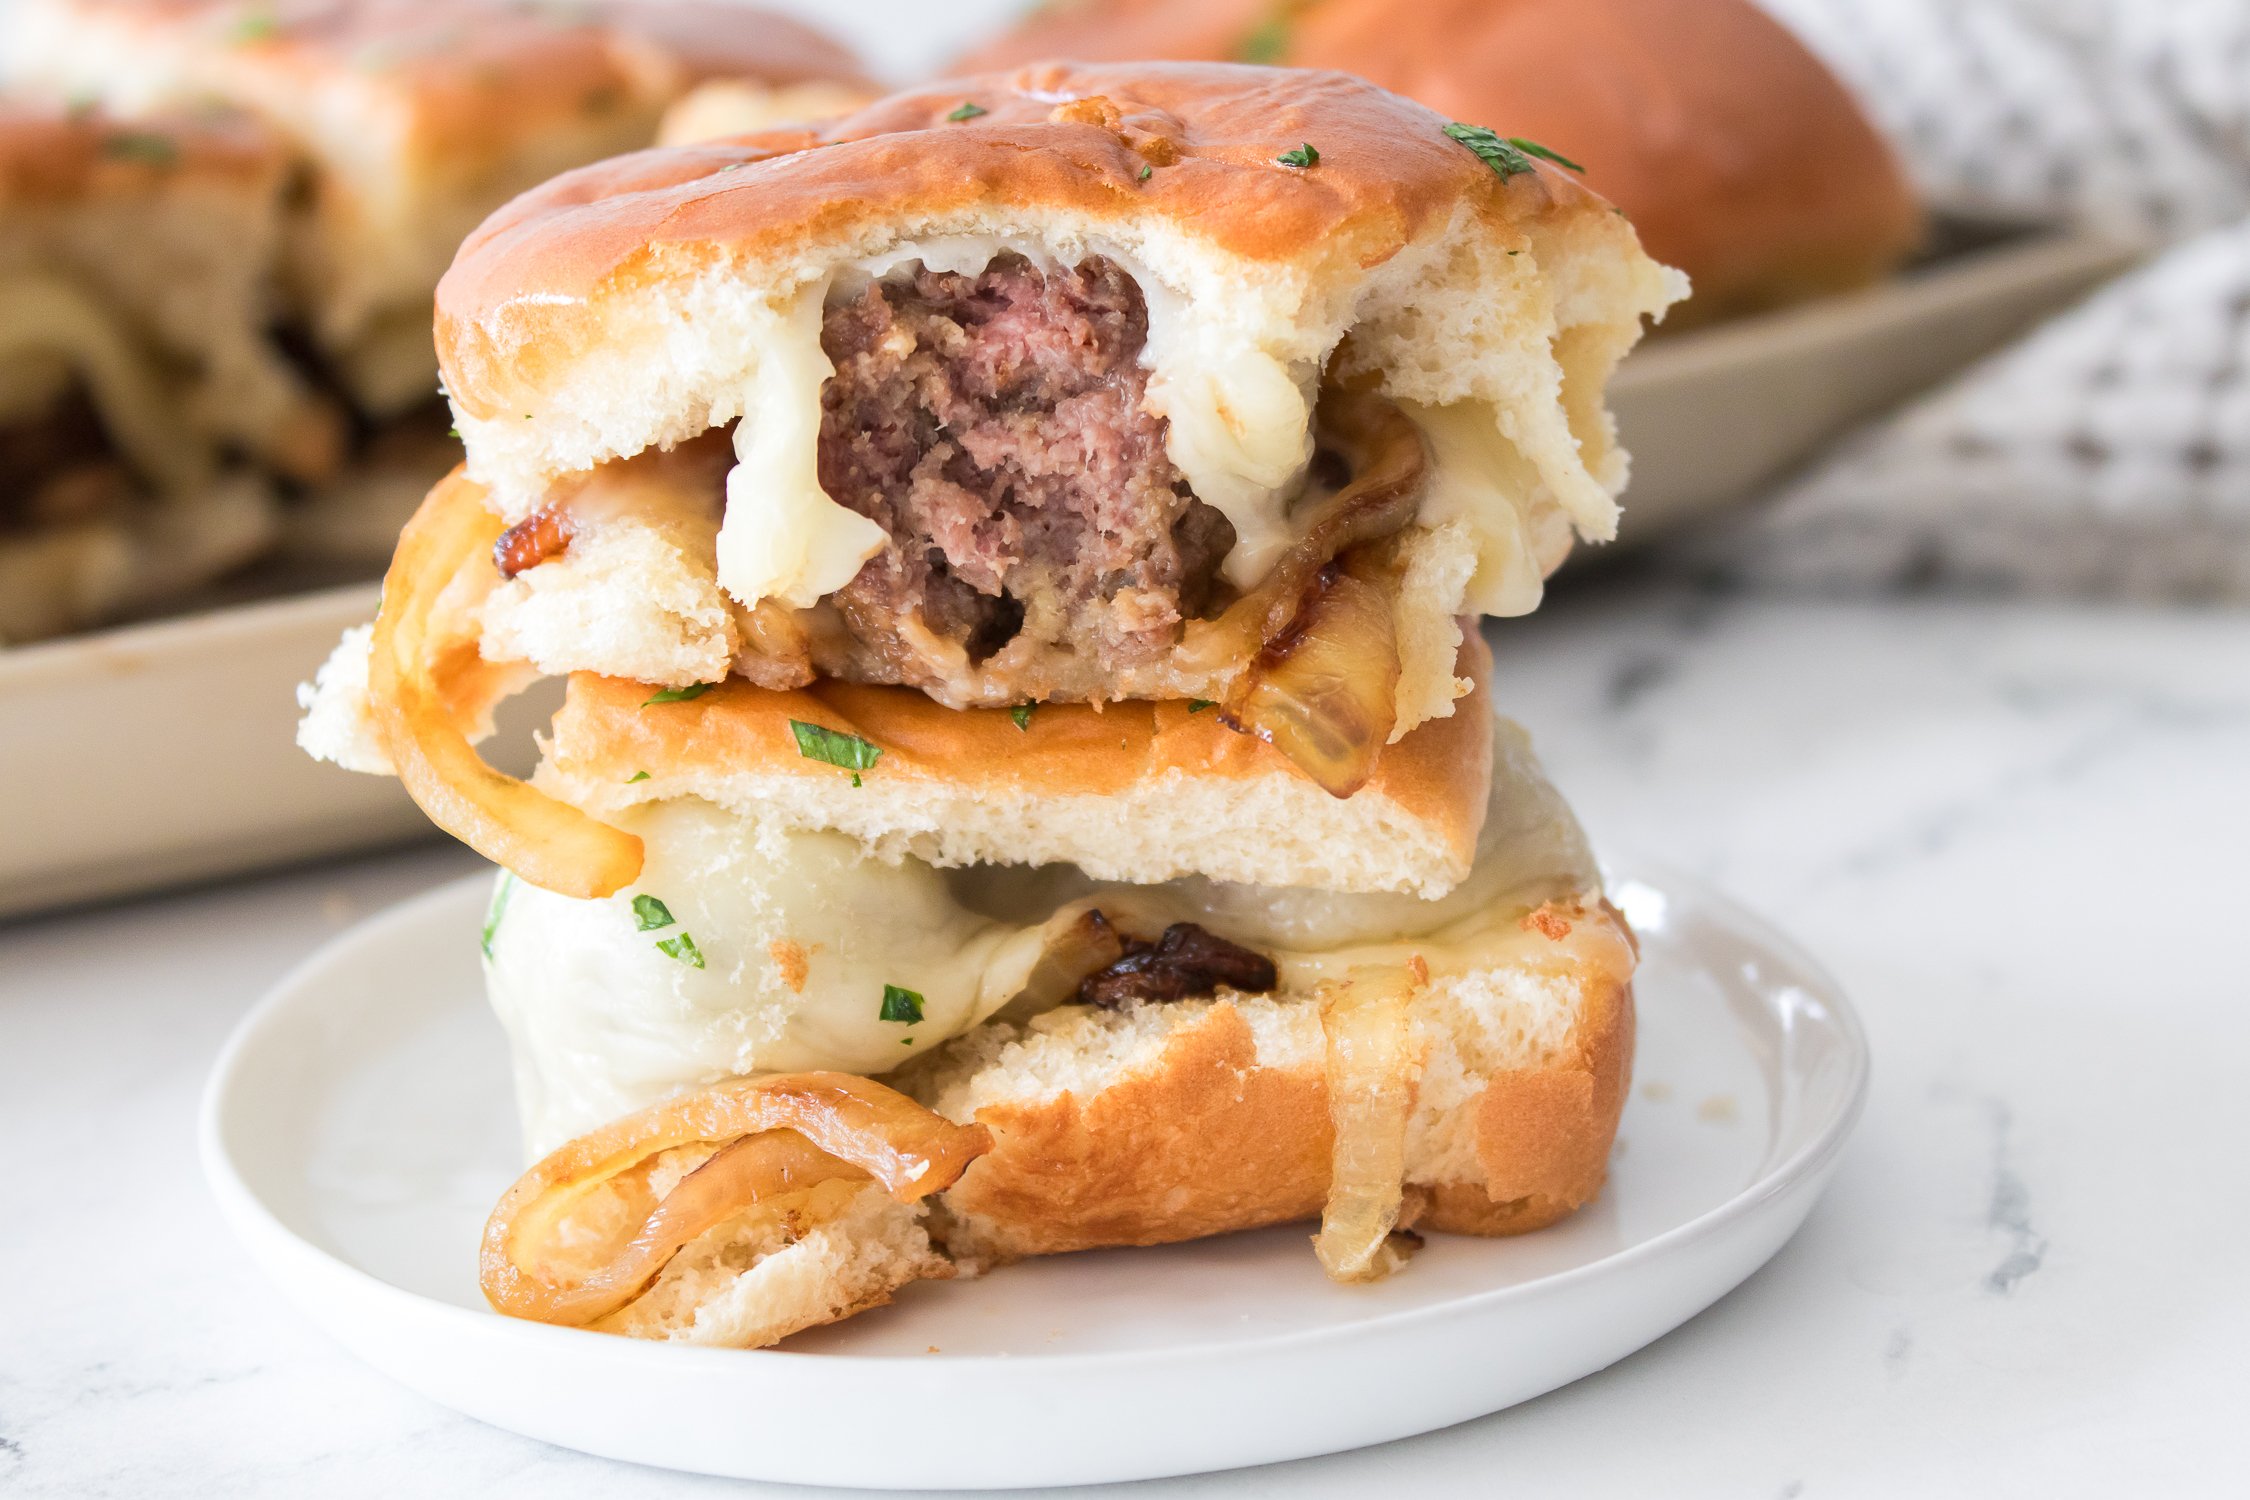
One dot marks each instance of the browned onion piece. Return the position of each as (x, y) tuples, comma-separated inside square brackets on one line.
[(743, 1172), (1325, 693), (1371, 1070), (1389, 472), (792, 1130), (546, 842), (1072, 947), (545, 534)]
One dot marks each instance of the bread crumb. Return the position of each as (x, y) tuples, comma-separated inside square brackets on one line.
[(789, 958), (1548, 923)]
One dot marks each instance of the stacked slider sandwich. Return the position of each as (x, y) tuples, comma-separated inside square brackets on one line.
[(1029, 779), (391, 128)]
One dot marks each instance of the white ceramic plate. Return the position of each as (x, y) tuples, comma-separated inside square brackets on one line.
[(165, 752), (359, 1126)]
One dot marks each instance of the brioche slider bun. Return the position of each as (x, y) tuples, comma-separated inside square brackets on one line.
[(1140, 792), (1741, 159)]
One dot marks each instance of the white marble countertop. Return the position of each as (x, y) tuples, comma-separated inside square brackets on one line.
[(2015, 833)]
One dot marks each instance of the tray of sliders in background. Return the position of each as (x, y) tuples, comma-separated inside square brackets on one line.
[(162, 751)]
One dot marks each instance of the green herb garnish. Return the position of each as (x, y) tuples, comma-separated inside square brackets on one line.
[(493, 912), (253, 28), (846, 751), (636, 776), (1544, 153), (1506, 155), (900, 1005), (682, 695), (1147, 173), (969, 110), (649, 913), (1197, 705), (682, 948), (1022, 713), (1266, 44), (454, 432), (142, 146), (1303, 156)]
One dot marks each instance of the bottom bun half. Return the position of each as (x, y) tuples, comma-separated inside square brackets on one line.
[(1171, 1122)]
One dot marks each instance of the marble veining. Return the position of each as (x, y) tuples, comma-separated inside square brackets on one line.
[(2014, 832)]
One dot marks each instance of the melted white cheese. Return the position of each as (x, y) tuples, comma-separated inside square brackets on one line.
[(783, 537), (799, 934), (1238, 426)]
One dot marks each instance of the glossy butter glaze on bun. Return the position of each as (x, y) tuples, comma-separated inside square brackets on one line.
[(1741, 158)]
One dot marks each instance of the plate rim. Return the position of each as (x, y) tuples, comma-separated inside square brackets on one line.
[(245, 1211)]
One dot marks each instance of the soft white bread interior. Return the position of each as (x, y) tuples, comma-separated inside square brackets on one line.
[(777, 1267)]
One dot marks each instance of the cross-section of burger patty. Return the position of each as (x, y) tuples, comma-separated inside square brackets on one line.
[(993, 425)]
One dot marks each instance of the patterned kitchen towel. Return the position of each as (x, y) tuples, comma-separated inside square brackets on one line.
[(2108, 454), (2128, 116)]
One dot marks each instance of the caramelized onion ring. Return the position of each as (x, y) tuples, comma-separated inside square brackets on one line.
[(792, 1130), (1325, 692), (548, 843), (1390, 469), (1367, 1020)]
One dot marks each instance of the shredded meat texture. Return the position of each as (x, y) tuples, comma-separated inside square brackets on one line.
[(1186, 961), (993, 425)]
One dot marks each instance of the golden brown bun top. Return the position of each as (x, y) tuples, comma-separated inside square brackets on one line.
[(477, 74), (1739, 157), (67, 156), (1069, 141)]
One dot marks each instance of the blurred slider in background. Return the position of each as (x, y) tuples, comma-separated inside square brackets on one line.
[(221, 229), (1738, 156)]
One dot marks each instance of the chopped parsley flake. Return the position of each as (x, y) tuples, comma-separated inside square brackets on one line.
[(498, 908), (1147, 173), (846, 751), (1533, 148), (900, 1005), (142, 146), (1022, 713), (649, 913), (1303, 156), (969, 110), (681, 695), (636, 776), (454, 432), (1506, 155), (1197, 705), (682, 948)]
